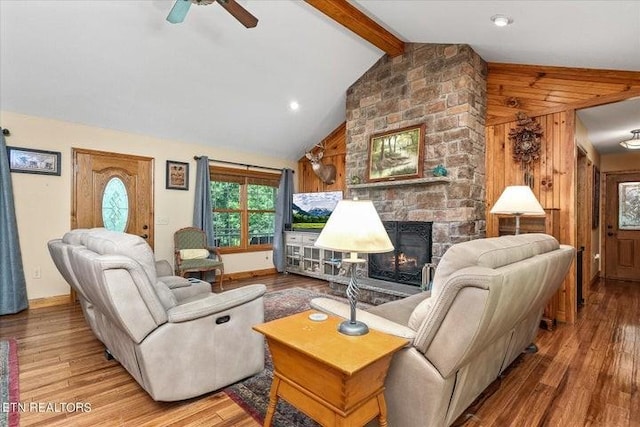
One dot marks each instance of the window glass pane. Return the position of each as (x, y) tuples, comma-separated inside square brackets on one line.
[(261, 197), (226, 227), (261, 228), (629, 206), (115, 205), (226, 195)]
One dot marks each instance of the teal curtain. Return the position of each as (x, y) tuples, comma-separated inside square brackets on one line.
[(284, 217), (203, 206), (13, 287)]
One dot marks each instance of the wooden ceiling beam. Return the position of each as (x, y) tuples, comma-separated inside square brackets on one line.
[(353, 19)]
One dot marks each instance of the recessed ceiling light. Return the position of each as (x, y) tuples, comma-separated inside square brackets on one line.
[(632, 143), (501, 20), (294, 106)]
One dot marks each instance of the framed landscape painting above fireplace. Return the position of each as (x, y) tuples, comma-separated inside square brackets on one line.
[(396, 154)]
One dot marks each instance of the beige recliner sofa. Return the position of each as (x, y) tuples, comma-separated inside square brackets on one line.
[(483, 311), (173, 335)]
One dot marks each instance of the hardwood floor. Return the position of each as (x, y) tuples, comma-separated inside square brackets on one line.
[(583, 374)]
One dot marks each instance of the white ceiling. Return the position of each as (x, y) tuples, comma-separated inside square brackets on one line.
[(610, 124), (118, 64)]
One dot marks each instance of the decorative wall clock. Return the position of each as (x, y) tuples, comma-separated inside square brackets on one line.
[(526, 144)]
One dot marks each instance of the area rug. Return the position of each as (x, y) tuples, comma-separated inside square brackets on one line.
[(252, 394), (9, 386)]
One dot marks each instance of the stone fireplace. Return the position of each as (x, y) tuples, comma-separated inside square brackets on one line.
[(443, 87)]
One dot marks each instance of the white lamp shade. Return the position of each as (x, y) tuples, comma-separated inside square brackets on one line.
[(354, 226), (517, 200)]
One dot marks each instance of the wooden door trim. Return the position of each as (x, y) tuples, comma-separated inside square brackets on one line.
[(584, 211), (76, 151)]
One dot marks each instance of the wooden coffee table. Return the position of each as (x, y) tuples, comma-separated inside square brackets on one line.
[(337, 380)]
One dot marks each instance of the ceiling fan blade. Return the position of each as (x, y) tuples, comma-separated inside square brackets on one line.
[(239, 12), (179, 11)]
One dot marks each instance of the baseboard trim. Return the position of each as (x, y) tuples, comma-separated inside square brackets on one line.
[(49, 301)]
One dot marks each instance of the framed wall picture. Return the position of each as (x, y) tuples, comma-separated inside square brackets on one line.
[(177, 175), (397, 154), (29, 160)]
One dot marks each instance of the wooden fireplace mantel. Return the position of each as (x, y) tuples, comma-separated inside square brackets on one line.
[(384, 184)]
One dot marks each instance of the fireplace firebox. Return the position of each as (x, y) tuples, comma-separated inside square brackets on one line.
[(412, 243)]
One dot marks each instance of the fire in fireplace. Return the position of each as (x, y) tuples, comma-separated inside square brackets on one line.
[(412, 243)]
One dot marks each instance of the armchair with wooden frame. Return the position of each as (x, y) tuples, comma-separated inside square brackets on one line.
[(193, 255)]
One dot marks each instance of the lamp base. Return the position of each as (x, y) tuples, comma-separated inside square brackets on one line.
[(353, 328)]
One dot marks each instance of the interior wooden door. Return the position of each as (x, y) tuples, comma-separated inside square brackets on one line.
[(622, 226), (114, 191)]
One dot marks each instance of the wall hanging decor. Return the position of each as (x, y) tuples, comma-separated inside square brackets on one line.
[(29, 160), (177, 175), (526, 144)]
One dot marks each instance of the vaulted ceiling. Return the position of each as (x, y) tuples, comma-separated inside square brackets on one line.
[(209, 80)]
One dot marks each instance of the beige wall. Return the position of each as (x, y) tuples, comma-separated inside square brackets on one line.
[(620, 162), (43, 202), (583, 141)]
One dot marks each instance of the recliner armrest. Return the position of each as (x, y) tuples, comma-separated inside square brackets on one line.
[(174, 282), (199, 306), (378, 323), (163, 268)]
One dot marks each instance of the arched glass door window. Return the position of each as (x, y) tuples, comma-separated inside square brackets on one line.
[(115, 205)]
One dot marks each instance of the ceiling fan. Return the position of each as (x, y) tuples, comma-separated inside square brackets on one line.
[(181, 7)]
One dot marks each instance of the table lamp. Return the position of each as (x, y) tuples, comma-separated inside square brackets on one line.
[(517, 200), (354, 227)]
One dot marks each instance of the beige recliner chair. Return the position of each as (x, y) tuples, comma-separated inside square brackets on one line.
[(177, 343), (483, 311), (60, 250)]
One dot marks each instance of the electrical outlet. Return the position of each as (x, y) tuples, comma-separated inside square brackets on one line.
[(36, 273)]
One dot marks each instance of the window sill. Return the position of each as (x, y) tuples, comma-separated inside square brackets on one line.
[(256, 248)]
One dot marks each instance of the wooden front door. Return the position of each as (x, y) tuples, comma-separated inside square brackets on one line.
[(622, 226), (114, 191)]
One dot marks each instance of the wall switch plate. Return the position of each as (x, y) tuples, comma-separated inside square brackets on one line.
[(37, 273)]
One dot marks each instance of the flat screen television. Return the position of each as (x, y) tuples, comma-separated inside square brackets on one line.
[(312, 210)]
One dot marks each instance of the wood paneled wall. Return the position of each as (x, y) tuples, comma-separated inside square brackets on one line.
[(554, 179), (334, 153), (551, 95), (539, 90)]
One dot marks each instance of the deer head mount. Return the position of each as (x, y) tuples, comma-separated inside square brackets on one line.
[(326, 173)]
